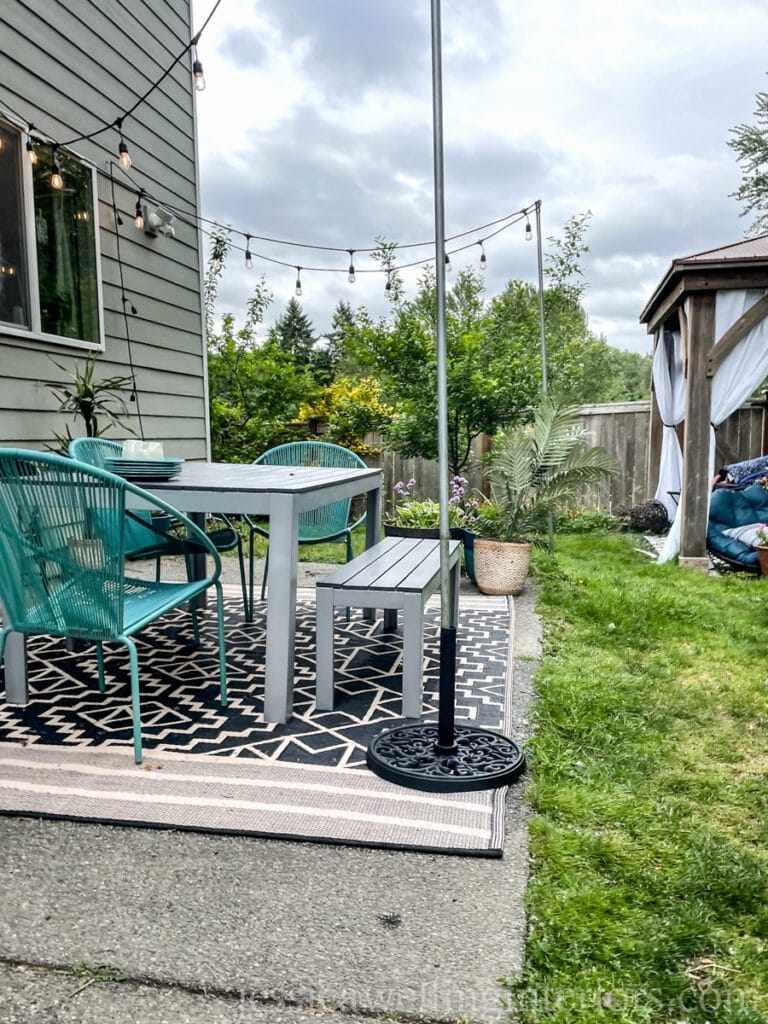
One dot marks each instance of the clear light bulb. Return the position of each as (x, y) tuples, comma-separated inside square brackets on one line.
[(197, 74), (138, 219), (125, 156), (483, 262), (448, 267), (351, 276), (248, 260), (528, 231), (56, 179), (31, 153)]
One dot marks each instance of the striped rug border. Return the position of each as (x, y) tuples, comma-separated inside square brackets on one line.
[(244, 797), (305, 803)]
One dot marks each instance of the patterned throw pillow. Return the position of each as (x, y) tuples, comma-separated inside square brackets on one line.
[(746, 534)]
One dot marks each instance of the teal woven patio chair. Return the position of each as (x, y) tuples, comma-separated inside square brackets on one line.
[(148, 537), (62, 562), (320, 525)]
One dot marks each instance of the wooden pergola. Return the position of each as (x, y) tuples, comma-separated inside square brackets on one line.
[(698, 278)]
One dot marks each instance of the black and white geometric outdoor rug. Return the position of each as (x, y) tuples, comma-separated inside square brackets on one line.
[(309, 774)]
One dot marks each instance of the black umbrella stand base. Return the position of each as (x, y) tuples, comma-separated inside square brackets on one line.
[(410, 755)]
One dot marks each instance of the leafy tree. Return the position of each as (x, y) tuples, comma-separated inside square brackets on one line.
[(293, 333), (491, 380), (221, 242), (750, 144), (255, 393), (351, 409), (609, 374)]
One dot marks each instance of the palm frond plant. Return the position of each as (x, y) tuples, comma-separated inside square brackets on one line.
[(98, 403), (534, 470)]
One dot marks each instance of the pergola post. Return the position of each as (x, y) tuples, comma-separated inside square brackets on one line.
[(694, 498)]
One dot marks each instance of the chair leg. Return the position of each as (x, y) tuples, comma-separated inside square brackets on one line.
[(195, 623), (157, 569), (266, 570), (135, 699), (100, 663), (247, 608), (222, 648), (249, 613)]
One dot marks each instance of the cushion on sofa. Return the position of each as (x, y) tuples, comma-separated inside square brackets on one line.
[(729, 509), (746, 534)]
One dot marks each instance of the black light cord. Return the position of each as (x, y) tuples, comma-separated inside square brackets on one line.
[(124, 299), (118, 120)]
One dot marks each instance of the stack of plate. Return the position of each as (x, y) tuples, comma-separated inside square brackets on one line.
[(145, 469)]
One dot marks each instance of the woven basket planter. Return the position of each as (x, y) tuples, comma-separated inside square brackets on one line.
[(501, 566)]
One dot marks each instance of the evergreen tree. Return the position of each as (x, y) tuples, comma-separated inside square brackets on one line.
[(293, 333), (750, 143)]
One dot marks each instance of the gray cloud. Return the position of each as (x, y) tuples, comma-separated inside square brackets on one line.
[(645, 150)]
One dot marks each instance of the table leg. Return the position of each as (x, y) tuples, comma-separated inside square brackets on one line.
[(199, 563), (372, 532), (281, 608), (16, 687)]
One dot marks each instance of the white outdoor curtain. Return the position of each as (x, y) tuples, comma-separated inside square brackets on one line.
[(669, 388), (735, 380)]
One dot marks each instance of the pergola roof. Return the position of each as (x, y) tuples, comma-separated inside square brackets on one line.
[(738, 265)]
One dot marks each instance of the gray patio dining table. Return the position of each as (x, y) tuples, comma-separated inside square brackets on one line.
[(281, 493)]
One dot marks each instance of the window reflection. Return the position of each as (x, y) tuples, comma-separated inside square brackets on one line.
[(66, 249), (14, 285)]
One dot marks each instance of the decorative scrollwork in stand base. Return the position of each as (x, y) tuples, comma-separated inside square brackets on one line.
[(410, 755)]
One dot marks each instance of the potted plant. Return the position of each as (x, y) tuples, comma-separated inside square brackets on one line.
[(761, 546), (533, 470), (95, 402), (413, 517)]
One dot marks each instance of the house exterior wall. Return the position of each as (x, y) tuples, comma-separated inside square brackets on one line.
[(66, 68)]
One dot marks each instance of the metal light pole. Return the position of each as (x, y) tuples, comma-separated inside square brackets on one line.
[(443, 757), (540, 264)]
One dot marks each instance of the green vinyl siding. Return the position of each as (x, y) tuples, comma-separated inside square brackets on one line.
[(67, 68)]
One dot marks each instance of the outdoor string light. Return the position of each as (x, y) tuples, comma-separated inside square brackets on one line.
[(388, 285), (122, 150), (483, 260), (56, 179), (138, 219), (298, 282), (30, 146), (248, 254), (528, 229), (448, 267), (197, 71), (351, 274)]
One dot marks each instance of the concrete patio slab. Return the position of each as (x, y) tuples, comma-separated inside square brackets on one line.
[(208, 927)]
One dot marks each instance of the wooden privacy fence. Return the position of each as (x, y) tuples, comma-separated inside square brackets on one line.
[(622, 428)]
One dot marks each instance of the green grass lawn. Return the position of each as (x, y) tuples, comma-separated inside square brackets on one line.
[(648, 896)]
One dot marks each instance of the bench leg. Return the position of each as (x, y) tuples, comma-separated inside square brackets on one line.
[(413, 655), (390, 620), (455, 578), (324, 690)]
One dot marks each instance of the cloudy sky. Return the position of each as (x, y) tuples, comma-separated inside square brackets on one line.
[(316, 127)]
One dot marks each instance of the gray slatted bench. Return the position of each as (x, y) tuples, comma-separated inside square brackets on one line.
[(397, 573)]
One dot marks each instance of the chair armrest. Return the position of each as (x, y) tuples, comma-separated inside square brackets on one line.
[(195, 534)]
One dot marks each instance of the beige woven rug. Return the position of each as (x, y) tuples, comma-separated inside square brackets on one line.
[(51, 766), (204, 793)]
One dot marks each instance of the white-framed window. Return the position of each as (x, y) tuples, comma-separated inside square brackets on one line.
[(50, 278)]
